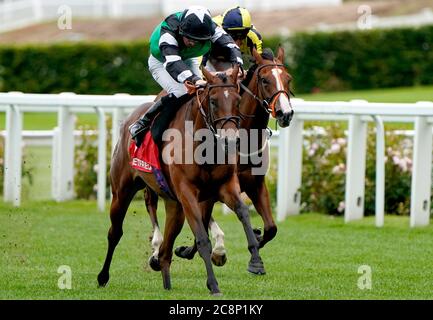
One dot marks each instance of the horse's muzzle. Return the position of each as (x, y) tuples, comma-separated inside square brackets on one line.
[(284, 119)]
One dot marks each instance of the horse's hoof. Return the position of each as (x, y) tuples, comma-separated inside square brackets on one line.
[(256, 268), (216, 294), (184, 252), (154, 263), (103, 279), (218, 259), (214, 289), (167, 287)]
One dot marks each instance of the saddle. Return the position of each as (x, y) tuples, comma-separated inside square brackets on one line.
[(147, 157), (165, 116)]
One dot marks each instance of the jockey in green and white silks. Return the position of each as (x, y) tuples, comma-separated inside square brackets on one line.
[(176, 47)]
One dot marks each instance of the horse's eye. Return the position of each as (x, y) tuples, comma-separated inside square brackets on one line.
[(213, 103), (265, 82)]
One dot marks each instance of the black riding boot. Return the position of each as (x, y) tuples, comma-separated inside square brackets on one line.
[(138, 128), (170, 101)]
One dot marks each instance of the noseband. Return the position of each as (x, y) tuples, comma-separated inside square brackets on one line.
[(209, 119)]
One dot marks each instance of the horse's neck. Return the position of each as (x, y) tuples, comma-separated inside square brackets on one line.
[(190, 113), (260, 121), (251, 106), (195, 115)]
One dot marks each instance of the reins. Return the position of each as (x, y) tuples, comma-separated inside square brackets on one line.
[(209, 119), (268, 104)]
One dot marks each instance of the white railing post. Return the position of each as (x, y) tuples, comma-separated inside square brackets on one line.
[(293, 164), (8, 156), (282, 180), (380, 171), (65, 154), (355, 172), (115, 133), (118, 116), (13, 156), (102, 159), (421, 173), (55, 164), (289, 169)]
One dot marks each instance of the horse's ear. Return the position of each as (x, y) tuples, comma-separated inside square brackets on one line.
[(280, 54), (209, 76), (235, 72), (257, 56)]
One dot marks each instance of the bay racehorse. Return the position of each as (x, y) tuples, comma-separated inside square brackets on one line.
[(267, 92), (214, 107)]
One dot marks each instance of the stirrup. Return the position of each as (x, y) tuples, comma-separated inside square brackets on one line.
[(138, 134)]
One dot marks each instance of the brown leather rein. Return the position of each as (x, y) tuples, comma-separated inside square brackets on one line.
[(268, 103)]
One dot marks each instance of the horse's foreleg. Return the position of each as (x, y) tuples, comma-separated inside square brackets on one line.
[(196, 219), (119, 206), (231, 195), (259, 195), (173, 225), (189, 252)]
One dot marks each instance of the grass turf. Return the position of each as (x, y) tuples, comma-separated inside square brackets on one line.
[(312, 257)]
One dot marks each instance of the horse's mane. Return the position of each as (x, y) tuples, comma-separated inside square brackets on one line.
[(268, 54), (222, 76)]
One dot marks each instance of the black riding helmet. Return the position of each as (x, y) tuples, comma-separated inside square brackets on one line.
[(196, 24)]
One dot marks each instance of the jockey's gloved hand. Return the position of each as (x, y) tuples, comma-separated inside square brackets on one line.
[(240, 62), (241, 72), (200, 83), (191, 87)]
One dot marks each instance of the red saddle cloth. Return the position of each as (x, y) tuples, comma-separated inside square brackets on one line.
[(146, 157)]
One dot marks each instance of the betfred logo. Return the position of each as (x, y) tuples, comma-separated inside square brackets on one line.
[(140, 164)]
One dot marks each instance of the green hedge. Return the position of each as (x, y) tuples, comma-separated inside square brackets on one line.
[(362, 60), (318, 62), (101, 68)]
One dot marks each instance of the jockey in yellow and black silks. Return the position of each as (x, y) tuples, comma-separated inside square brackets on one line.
[(236, 22)]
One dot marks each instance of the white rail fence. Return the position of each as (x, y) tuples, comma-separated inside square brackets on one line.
[(358, 113), (66, 105)]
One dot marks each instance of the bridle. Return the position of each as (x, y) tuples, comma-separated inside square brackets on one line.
[(209, 119), (268, 104)]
